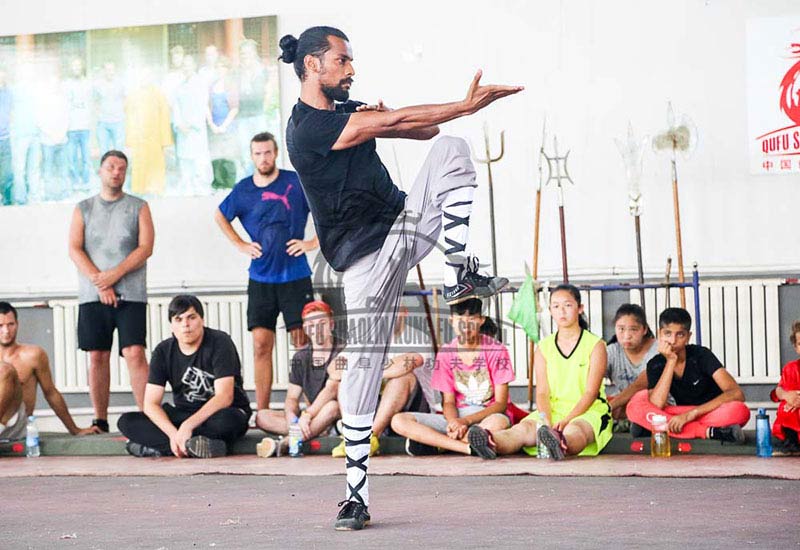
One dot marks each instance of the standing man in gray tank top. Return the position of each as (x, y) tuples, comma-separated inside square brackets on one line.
[(110, 239)]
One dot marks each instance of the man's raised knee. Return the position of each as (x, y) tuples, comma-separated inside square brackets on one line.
[(451, 145)]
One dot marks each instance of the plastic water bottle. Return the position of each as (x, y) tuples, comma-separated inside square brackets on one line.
[(763, 435), (659, 439), (32, 438), (295, 440), (541, 450)]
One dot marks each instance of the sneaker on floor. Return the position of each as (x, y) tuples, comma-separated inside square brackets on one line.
[(415, 448), (551, 439), (338, 451), (352, 517), (142, 451), (480, 443), (267, 447), (728, 434), (201, 446), (472, 284), (374, 448), (101, 423)]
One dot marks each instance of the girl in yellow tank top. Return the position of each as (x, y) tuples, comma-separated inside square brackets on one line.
[(569, 367)]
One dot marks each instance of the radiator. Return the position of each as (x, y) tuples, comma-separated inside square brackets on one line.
[(739, 321)]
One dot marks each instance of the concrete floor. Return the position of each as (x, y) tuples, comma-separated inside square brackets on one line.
[(224, 511), (684, 466)]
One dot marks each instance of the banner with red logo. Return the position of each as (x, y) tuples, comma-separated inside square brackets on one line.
[(773, 95)]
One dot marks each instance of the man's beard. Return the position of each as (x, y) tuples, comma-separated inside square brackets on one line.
[(268, 172), (337, 93)]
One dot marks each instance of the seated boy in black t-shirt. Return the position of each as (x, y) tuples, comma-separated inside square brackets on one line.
[(211, 408), (709, 404)]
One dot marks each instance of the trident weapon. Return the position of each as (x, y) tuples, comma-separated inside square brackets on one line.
[(425, 304), (679, 136), (632, 151), (560, 164), (488, 161)]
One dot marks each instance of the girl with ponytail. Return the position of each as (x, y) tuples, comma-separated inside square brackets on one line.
[(573, 415)]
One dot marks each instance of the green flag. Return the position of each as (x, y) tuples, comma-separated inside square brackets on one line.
[(523, 309)]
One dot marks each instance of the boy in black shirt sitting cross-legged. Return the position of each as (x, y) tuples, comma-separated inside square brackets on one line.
[(211, 408)]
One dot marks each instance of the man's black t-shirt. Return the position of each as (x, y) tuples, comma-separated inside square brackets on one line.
[(191, 377), (307, 375), (697, 385), (351, 195)]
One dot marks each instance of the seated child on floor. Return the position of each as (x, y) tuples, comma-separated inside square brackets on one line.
[(787, 393), (709, 402), (632, 346), (472, 372), (569, 367)]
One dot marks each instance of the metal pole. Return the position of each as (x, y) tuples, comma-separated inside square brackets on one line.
[(564, 268), (491, 199), (639, 256), (696, 286)]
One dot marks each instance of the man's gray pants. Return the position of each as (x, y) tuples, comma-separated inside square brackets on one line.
[(373, 285)]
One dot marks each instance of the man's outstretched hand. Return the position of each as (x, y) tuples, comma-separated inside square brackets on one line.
[(380, 107), (479, 96)]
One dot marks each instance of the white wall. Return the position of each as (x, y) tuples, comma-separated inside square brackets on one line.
[(590, 66)]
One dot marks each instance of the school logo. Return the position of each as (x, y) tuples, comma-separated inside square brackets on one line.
[(790, 89), (773, 95)]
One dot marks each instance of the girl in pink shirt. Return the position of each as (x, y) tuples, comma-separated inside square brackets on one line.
[(472, 372)]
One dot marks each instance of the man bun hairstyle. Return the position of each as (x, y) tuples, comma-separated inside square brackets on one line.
[(313, 41)]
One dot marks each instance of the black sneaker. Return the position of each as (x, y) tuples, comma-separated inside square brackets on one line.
[(472, 284), (201, 446), (142, 451), (638, 431), (479, 443), (551, 439), (101, 423), (352, 517), (728, 434), (790, 441), (415, 448)]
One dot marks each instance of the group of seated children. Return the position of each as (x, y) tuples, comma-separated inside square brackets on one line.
[(665, 376), (575, 416)]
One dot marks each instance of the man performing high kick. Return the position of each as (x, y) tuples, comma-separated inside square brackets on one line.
[(370, 230)]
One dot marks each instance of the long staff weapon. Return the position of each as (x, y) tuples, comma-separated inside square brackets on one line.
[(488, 161), (680, 136), (535, 274)]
